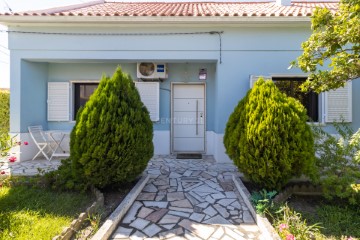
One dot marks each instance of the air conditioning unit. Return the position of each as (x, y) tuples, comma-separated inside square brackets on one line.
[(150, 70)]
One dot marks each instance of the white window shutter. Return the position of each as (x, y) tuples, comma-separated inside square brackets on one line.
[(150, 96), (254, 78), (58, 103), (339, 104)]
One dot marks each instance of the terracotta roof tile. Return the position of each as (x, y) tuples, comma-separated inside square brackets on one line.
[(196, 9)]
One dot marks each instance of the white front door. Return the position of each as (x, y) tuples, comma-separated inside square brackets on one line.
[(188, 118)]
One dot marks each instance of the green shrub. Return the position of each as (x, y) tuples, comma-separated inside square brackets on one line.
[(338, 162), (263, 201), (111, 142), (268, 138), (4, 112)]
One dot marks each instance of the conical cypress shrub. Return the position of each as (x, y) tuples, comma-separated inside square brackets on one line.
[(111, 142), (268, 138)]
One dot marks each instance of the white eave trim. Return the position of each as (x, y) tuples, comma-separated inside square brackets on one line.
[(31, 20)]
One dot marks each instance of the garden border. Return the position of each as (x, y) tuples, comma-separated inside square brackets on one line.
[(76, 224), (113, 220), (264, 225)]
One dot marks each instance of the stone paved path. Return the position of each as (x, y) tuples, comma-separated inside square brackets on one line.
[(188, 199), (28, 168)]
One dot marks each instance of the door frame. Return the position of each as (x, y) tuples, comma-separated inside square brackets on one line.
[(172, 114)]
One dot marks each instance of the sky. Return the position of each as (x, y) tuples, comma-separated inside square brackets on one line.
[(18, 6)]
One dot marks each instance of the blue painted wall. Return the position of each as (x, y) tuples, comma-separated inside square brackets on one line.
[(246, 50), (178, 72)]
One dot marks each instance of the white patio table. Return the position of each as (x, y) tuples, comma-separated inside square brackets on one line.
[(58, 137)]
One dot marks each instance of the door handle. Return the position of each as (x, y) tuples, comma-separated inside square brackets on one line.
[(197, 109)]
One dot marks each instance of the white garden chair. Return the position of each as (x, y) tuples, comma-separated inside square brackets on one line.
[(42, 141)]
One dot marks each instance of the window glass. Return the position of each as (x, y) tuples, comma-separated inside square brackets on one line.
[(83, 92), (310, 100)]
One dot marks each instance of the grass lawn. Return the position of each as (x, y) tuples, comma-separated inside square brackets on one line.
[(35, 213), (337, 219)]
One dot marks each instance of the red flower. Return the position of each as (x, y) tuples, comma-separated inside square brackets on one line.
[(290, 237), (12, 159), (26, 143), (2, 172)]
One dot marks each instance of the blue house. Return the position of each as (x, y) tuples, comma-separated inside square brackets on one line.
[(192, 63)]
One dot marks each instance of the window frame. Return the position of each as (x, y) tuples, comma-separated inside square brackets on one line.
[(72, 96), (321, 97)]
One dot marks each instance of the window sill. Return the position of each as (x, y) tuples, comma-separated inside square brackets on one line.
[(319, 124)]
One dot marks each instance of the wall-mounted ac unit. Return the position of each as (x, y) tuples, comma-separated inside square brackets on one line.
[(150, 70)]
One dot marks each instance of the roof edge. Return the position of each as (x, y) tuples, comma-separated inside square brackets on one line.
[(65, 20)]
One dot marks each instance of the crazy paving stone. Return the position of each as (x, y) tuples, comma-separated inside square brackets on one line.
[(217, 220), (198, 217), (150, 188), (226, 202), (175, 196), (210, 211), (230, 194), (247, 218), (139, 223), (217, 196), (181, 203), (146, 196), (188, 210), (161, 182), (205, 188), (173, 182), (168, 226), (187, 173), (203, 205), (201, 230), (192, 200), (130, 216), (210, 200), (236, 205), (155, 204), (144, 212), (168, 219), (223, 212), (122, 233), (174, 175), (157, 215), (180, 214), (151, 230)]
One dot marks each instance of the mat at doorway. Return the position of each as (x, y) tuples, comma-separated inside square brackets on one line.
[(188, 156)]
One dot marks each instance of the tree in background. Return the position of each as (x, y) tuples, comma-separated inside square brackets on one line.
[(335, 42)]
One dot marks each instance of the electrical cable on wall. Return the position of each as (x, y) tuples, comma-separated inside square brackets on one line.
[(125, 34)]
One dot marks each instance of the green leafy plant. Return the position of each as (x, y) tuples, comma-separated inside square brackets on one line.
[(290, 225), (111, 142), (338, 162), (4, 112), (335, 43), (262, 200), (268, 138)]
